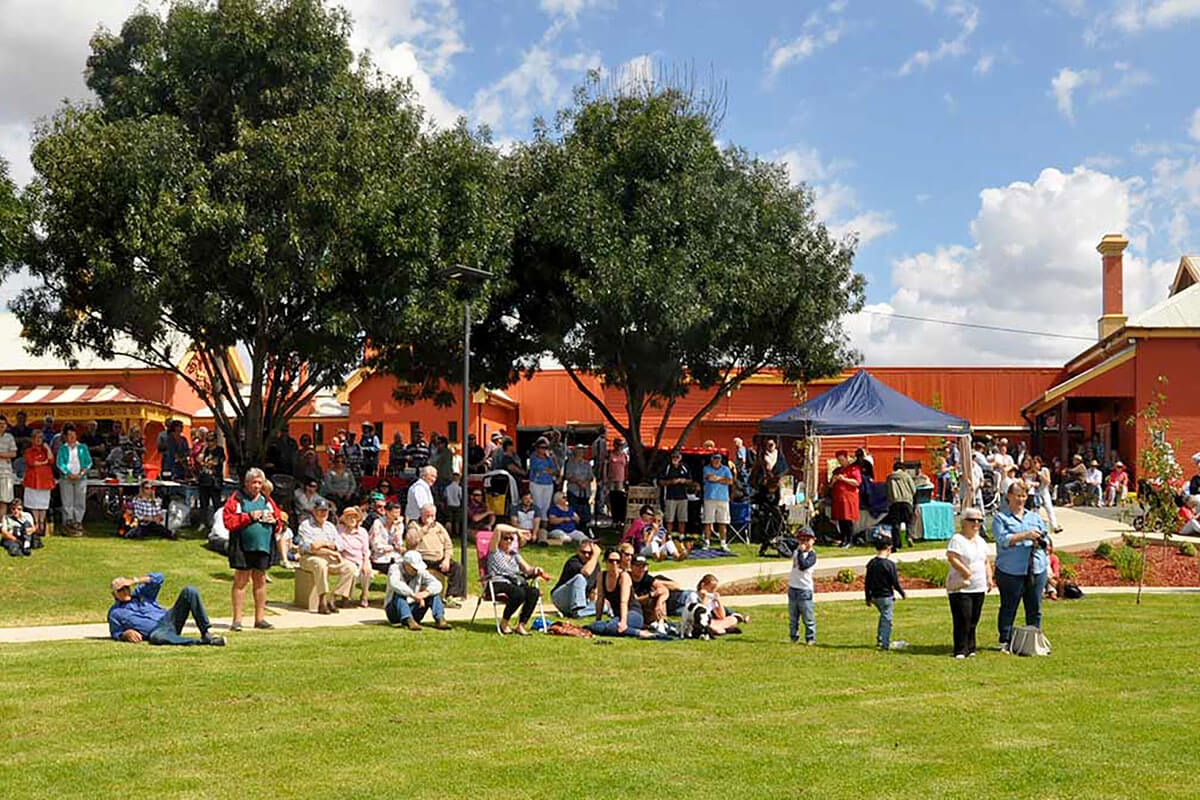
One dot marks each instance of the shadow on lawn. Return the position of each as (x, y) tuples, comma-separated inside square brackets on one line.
[(912, 649)]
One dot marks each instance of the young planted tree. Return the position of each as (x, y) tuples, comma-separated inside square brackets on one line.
[(647, 256), (240, 185), (1161, 475)]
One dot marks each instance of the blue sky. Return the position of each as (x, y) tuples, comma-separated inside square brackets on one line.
[(980, 150)]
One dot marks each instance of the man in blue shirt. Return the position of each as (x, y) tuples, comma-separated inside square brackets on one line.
[(716, 479), (370, 445), (136, 616)]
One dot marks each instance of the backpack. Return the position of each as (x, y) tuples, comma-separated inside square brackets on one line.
[(1028, 640), (1072, 592)]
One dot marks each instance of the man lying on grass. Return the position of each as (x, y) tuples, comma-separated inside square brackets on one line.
[(136, 616)]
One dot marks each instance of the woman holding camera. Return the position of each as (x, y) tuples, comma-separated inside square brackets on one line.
[(1021, 561), (252, 519)]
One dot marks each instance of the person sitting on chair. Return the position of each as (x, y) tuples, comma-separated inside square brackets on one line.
[(429, 538), (412, 591), (136, 616), (509, 576), (1117, 485), (1093, 479)]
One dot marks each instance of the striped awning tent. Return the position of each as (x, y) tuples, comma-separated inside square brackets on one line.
[(81, 401)]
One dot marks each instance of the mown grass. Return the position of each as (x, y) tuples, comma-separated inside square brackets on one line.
[(371, 711)]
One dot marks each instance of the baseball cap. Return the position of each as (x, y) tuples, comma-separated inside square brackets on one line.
[(639, 559), (120, 583), (805, 533), (320, 504)]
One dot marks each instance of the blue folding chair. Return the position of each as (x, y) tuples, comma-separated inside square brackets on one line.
[(739, 521)]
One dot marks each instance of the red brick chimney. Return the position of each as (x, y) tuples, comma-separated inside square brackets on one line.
[(1112, 317)]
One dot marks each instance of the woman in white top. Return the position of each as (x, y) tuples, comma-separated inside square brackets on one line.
[(968, 581), (1044, 492)]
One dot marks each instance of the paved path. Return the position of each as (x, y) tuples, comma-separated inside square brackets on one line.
[(1082, 530)]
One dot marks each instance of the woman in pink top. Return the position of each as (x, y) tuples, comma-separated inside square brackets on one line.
[(618, 469), (354, 545)]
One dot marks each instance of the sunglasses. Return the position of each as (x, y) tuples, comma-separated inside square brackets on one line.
[(614, 561)]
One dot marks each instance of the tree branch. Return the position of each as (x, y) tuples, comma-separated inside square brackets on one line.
[(624, 431), (724, 386)]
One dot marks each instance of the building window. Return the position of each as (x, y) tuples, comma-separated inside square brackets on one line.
[(318, 433), (452, 428), (379, 430)]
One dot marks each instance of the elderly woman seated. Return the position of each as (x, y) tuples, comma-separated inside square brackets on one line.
[(562, 521), (411, 592), (387, 536), (509, 575)]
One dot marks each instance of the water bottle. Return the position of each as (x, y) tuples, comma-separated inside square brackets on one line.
[(903, 539)]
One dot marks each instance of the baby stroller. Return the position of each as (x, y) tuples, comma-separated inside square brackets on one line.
[(769, 523)]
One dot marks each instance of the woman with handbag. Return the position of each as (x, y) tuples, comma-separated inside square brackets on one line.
[(1021, 562), (969, 580)]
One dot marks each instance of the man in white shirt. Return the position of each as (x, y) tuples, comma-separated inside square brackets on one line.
[(1092, 480), (420, 493)]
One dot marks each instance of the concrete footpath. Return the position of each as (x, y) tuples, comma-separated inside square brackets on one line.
[(1082, 530)]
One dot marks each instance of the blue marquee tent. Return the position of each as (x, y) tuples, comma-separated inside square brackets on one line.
[(862, 406)]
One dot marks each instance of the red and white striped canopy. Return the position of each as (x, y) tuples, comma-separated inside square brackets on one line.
[(78, 393)]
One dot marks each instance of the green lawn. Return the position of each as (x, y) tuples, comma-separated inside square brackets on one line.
[(370, 711), (67, 581)]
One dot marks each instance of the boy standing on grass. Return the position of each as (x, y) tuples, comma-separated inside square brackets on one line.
[(800, 589), (882, 582)]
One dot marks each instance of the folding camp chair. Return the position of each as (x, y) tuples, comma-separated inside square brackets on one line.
[(739, 521), (483, 541)]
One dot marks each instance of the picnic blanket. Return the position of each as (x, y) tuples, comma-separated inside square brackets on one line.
[(712, 552)]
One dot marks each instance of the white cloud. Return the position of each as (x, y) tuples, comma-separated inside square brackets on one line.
[(1128, 79), (569, 8), (1032, 265), (538, 81), (984, 65), (1194, 128), (1102, 161), (819, 33), (1133, 16), (1064, 84), (964, 15), (835, 202)]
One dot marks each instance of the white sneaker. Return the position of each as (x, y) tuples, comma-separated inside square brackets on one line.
[(960, 655), (899, 644), (724, 545)]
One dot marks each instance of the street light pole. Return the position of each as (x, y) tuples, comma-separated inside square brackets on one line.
[(466, 423)]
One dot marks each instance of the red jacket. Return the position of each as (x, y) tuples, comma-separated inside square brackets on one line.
[(235, 519), (38, 472)]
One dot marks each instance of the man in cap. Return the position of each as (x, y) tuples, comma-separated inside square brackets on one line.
[(716, 479), (676, 479), (1076, 478), (136, 616), (370, 446), (658, 594), (1093, 479), (411, 592)]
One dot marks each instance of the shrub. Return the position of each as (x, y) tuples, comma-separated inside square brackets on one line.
[(1065, 557), (768, 584), (930, 570), (1129, 563), (1104, 550), (1131, 540), (845, 576), (1187, 549), (1067, 572)]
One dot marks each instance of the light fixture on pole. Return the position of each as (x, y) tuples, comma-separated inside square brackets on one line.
[(469, 276)]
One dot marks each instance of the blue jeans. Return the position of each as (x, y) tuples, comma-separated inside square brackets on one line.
[(580, 506), (170, 626), (400, 610), (633, 623), (800, 604), (571, 598), (883, 633), (1014, 591)]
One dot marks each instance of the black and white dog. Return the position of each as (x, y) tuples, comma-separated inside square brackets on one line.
[(694, 620)]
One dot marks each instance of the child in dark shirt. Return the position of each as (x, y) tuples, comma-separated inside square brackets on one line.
[(881, 584)]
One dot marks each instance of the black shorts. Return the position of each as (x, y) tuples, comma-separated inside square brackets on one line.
[(241, 559)]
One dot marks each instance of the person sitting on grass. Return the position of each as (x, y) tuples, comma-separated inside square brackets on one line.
[(411, 592), (881, 584), (635, 534), (573, 594), (509, 575), (136, 616), (721, 619), (616, 594), (658, 542), (800, 588), (354, 546), (562, 521), (149, 516), (656, 594), (17, 530)]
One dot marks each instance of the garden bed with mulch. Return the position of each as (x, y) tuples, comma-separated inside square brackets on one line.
[(1165, 566), (754, 586)]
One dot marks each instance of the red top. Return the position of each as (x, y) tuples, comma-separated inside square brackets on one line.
[(845, 496), (38, 473)]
